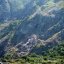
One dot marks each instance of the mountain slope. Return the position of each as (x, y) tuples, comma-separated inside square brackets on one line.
[(40, 24), (55, 55)]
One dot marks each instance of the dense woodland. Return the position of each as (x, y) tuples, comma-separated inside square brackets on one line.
[(54, 55)]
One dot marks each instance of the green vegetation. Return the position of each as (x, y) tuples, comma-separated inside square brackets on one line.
[(54, 56)]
